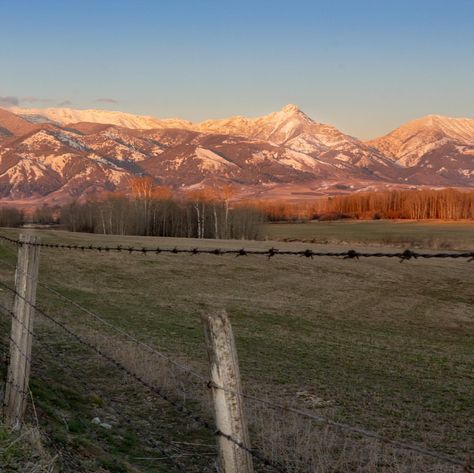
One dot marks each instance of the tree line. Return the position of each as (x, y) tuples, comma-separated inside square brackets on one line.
[(11, 217), (445, 204), (155, 211), (152, 210)]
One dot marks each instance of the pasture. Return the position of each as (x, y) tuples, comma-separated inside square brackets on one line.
[(413, 234), (374, 343)]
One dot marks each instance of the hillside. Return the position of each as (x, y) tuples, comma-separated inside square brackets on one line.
[(432, 145)]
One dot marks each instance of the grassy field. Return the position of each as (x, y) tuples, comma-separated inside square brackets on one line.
[(22, 452), (425, 234), (374, 343)]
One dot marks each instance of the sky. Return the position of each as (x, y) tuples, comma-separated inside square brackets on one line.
[(365, 66)]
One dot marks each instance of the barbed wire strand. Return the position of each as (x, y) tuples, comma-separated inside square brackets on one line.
[(271, 252)]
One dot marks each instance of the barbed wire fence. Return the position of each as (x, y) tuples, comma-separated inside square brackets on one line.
[(168, 453), (271, 252), (232, 443)]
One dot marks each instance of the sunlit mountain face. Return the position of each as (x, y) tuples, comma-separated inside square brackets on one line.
[(57, 154)]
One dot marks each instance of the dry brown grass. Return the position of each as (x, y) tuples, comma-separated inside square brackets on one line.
[(384, 345), (297, 443), (425, 234), (23, 452)]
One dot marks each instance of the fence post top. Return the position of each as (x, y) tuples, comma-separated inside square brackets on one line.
[(29, 238), (215, 314)]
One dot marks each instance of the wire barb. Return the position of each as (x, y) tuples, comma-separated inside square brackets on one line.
[(351, 254)]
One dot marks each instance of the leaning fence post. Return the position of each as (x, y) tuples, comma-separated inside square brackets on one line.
[(228, 404), (21, 331)]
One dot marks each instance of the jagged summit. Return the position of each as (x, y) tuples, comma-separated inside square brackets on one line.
[(277, 127), (439, 143), (290, 108), (411, 140)]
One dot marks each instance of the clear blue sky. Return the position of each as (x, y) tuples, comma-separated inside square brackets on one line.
[(365, 66)]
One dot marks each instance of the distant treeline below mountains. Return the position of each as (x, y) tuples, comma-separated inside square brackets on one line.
[(155, 211)]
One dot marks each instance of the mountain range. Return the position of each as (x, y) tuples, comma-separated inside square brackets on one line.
[(54, 155)]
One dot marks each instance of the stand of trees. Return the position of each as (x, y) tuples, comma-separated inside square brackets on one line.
[(206, 213), (153, 211), (11, 217), (46, 215), (445, 204), (287, 211)]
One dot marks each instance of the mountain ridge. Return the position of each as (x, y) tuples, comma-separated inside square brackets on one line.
[(53, 156), (65, 115)]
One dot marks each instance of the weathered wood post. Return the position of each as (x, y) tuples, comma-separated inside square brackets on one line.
[(21, 331), (228, 404)]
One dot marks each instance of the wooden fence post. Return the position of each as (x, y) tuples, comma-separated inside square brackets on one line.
[(228, 405), (21, 331)]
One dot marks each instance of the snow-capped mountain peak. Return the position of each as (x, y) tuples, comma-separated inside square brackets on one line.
[(67, 116), (409, 143), (290, 108), (277, 127), (455, 128), (58, 154)]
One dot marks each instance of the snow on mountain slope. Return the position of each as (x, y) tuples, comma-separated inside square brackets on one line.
[(52, 140), (410, 142), (435, 150), (296, 131), (278, 127), (68, 153), (300, 161), (289, 126), (211, 161), (122, 144), (67, 116), (13, 125)]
